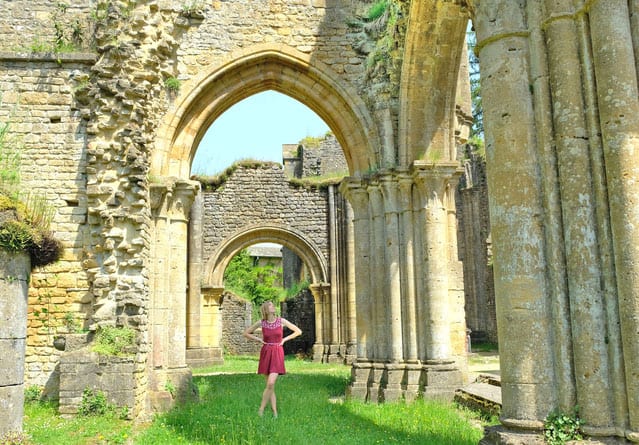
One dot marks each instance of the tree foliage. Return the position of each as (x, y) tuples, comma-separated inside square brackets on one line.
[(251, 281), (477, 130)]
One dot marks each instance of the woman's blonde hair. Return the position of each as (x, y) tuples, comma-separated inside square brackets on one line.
[(264, 310)]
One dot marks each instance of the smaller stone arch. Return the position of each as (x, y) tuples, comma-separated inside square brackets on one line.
[(303, 247)]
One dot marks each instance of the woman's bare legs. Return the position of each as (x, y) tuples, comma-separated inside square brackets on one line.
[(269, 394)]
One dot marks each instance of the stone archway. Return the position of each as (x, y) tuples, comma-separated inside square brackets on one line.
[(204, 322), (256, 69), (297, 242), (202, 100)]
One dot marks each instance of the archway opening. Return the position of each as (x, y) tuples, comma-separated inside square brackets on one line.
[(256, 128)]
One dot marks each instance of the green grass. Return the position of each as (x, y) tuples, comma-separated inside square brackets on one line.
[(44, 426), (311, 406)]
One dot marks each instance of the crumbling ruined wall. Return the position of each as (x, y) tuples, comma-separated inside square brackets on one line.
[(263, 195)]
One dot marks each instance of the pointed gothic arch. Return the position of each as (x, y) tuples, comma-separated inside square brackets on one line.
[(251, 71)]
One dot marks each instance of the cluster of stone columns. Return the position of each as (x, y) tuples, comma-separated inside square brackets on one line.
[(170, 203), (561, 109), (405, 252), (335, 306)]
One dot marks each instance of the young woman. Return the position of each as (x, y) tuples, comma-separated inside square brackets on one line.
[(272, 353)]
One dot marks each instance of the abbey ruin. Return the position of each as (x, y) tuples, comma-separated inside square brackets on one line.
[(110, 129)]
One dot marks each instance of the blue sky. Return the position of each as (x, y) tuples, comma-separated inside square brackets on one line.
[(255, 128)]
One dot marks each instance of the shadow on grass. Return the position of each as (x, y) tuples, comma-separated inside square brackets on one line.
[(227, 414)]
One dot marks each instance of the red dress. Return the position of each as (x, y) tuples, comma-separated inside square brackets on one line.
[(272, 352)]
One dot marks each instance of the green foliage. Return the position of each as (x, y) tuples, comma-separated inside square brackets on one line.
[(94, 403), (377, 10), (311, 141), (111, 340), (169, 387), (560, 427), (477, 129), (15, 236), (193, 7), (172, 84), (71, 323), (486, 346), (252, 282), (25, 219), (295, 289), (32, 393), (45, 425)]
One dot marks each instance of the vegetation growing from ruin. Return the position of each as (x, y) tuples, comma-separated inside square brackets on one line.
[(70, 33), (561, 427), (172, 84), (214, 182), (382, 30), (112, 340), (320, 182), (95, 403), (25, 218)]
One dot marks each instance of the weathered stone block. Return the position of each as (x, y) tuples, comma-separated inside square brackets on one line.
[(12, 408), (12, 362)]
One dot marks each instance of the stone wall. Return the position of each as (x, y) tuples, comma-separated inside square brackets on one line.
[(27, 24), (237, 315), (327, 157), (38, 103), (301, 312), (271, 200)]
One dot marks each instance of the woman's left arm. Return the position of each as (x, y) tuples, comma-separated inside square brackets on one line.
[(296, 331)]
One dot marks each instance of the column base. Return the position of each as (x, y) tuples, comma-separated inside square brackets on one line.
[(387, 382), (168, 387), (500, 435), (503, 435), (199, 357), (360, 374), (440, 379), (333, 353)]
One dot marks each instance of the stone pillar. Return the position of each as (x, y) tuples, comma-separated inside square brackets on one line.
[(14, 286), (351, 310), (209, 351), (171, 202), (574, 203), (578, 206), (390, 193), (332, 301), (431, 183), (320, 348), (408, 269), (357, 195), (618, 99), (195, 275), (441, 374), (378, 297), (516, 210)]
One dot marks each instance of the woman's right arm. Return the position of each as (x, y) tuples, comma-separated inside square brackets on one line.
[(248, 332)]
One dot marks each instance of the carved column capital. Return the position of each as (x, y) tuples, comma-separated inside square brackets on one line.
[(172, 198), (355, 191)]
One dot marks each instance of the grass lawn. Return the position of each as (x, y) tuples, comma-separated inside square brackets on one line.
[(311, 405)]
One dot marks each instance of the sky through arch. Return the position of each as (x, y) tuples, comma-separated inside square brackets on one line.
[(255, 128)]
